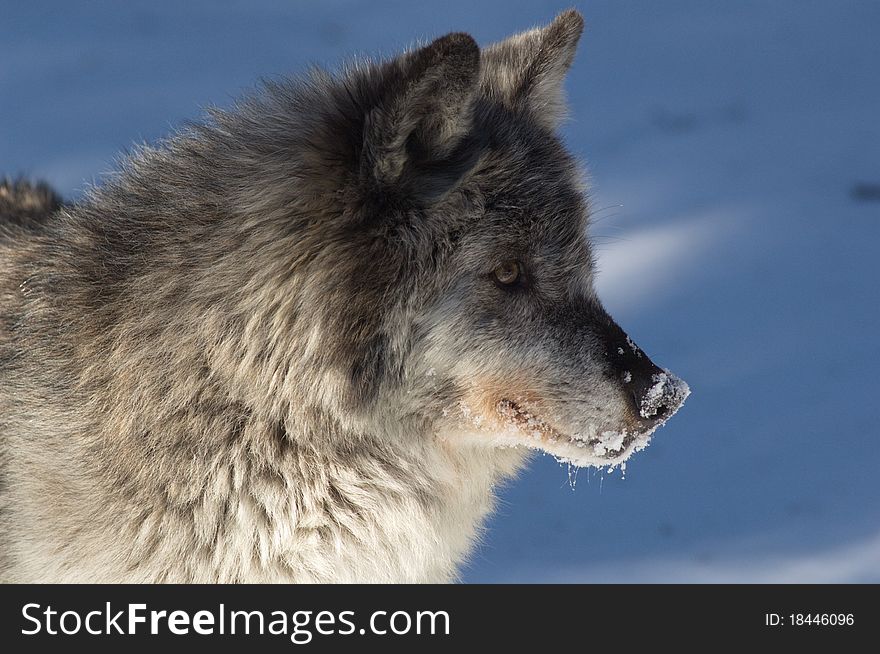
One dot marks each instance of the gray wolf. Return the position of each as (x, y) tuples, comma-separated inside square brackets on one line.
[(305, 340)]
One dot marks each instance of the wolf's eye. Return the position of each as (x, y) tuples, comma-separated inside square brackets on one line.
[(508, 273)]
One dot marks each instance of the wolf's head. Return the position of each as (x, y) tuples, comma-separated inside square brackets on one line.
[(440, 231)]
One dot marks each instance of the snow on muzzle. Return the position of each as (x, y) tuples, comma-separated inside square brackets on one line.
[(655, 394), (659, 398)]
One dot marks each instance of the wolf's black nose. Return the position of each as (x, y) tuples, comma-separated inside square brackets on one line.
[(656, 413), (640, 376), (655, 393), (656, 396), (649, 405)]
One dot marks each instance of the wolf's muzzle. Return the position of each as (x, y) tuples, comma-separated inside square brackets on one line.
[(655, 394)]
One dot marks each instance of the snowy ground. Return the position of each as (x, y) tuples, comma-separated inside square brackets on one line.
[(735, 153)]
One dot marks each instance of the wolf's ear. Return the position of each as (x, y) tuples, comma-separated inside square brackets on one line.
[(418, 138), (527, 70)]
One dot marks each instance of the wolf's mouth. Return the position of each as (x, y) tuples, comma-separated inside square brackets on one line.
[(598, 447)]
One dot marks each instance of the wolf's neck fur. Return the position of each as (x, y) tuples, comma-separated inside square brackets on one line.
[(183, 447), (261, 507)]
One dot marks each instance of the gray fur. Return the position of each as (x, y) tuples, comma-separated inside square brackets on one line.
[(25, 205), (271, 348)]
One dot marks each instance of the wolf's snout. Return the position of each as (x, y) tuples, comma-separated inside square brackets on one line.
[(658, 396), (655, 394)]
